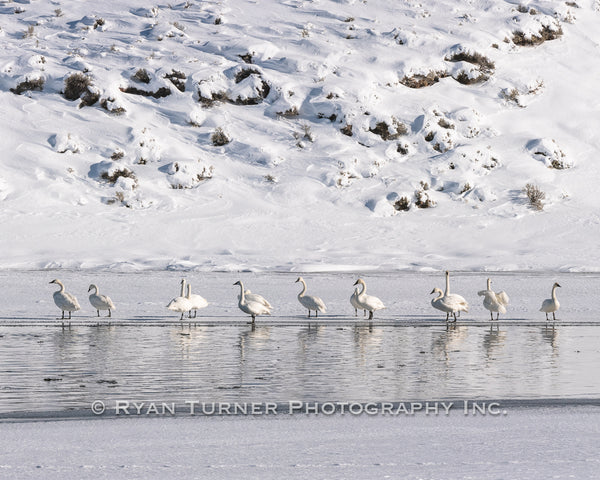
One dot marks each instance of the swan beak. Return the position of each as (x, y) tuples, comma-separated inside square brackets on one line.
[(355, 283), (433, 291), (297, 280), (89, 289), (558, 285), (53, 281), (237, 283)]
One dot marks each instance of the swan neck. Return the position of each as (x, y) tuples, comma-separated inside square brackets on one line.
[(242, 295), (182, 288), (189, 290), (62, 287), (301, 294), (364, 288), (447, 284), (489, 284), (554, 293)]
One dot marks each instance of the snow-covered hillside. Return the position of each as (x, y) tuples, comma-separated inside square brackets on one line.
[(308, 135)]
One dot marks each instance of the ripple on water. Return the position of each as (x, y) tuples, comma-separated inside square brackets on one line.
[(47, 369)]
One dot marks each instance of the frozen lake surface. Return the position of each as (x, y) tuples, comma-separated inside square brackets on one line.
[(406, 354)]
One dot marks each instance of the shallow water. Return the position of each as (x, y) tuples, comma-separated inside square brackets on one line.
[(49, 368)]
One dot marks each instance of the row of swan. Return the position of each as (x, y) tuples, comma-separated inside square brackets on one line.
[(255, 305), (453, 304), (68, 303)]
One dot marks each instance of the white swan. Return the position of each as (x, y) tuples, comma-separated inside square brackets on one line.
[(367, 302), (551, 305), (196, 301), (251, 307), (309, 302), (65, 301), (180, 303), (354, 303), (255, 297), (451, 303), (100, 302), (494, 301)]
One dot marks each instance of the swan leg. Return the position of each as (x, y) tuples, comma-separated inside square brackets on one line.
[(364, 313), (370, 314), (447, 316), (553, 316), (546, 316), (69, 315), (309, 313), (195, 313), (492, 315), (253, 319), (181, 316), (356, 312), (109, 313)]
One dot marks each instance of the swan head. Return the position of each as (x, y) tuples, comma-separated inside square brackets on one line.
[(237, 283), (300, 279), (435, 290), (360, 280), (56, 280), (92, 287), (556, 285)]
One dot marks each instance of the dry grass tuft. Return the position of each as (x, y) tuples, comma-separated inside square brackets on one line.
[(219, 138), (421, 81), (546, 33), (124, 172), (28, 85), (535, 196)]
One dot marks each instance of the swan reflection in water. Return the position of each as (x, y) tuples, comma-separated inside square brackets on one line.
[(493, 342), (449, 340)]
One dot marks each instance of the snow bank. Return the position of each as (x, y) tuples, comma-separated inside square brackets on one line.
[(332, 113)]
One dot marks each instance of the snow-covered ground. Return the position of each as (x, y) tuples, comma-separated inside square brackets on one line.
[(135, 181), (527, 444)]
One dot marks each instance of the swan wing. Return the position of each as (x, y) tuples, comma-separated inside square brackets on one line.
[(455, 302), (72, 300), (549, 305), (255, 297), (502, 297), (101, 302), (312, 303), (197, 301), (179, 304), (369, 302), (66, 301), (256, 308)]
